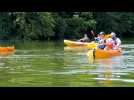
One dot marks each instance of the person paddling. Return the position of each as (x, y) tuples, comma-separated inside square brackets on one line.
[(117, 41), (113, 42), (88, 37), (101, 40)]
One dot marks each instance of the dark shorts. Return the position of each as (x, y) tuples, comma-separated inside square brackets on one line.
[(101, 46)]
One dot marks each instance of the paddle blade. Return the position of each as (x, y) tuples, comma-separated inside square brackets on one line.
[(90, 56), (92, 45)]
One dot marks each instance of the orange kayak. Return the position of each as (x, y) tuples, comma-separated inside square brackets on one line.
[(104, 53), (4, 51)]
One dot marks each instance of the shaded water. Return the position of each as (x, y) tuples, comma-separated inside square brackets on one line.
[(47, 64)]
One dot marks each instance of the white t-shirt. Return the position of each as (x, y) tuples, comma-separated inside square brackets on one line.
[(116, 43)]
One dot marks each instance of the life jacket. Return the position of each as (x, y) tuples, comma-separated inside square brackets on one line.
[(110, 43)]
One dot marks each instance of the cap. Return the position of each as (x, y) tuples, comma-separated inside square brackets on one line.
[(101, 33), (113, 34)]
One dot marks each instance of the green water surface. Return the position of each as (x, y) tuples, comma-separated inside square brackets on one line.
[(47, 64)]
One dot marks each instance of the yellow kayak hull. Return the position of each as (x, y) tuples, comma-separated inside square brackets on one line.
[(104, 53), (83, 44), (74, 44)]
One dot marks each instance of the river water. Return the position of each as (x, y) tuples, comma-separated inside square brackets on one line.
[(31, 64), (113, 72), (49, 64)]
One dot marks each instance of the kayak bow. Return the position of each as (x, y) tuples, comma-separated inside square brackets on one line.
[(72, 44)]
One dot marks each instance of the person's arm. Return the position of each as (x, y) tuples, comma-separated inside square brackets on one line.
[(92, 32), (84, 39), (118, 42)]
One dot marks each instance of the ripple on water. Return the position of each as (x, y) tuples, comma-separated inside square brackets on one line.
[(27, 56), (130, 46), (116, 79), (70, 72)]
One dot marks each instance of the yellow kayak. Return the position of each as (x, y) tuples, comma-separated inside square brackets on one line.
[(95, 54), (88, 45), (80, 44)]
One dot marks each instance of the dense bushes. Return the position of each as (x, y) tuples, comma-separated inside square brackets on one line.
[(59, 25)]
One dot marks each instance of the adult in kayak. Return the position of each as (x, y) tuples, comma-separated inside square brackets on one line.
[(113, 42), (84, 39), (117, 41), (101, 40), (88, 37)]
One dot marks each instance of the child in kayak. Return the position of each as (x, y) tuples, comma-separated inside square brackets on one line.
[(109, 44)]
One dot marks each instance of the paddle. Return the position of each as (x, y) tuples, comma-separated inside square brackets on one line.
[(91, 55)]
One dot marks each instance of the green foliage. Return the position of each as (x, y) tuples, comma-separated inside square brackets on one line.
[(120, 22), (59, 25), (79, 24), (36, 25), (74, 27)]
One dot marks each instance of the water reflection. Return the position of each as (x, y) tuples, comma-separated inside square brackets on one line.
[(116, 71), (105, 66), (31, 64), (110, 71)]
